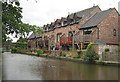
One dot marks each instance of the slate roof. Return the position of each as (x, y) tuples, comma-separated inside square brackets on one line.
[(85, 12), (34, 35), (95, 19), (82, 13), (78, 14), (64, 19)]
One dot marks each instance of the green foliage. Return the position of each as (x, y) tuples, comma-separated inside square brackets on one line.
[(14, 50), (12, 23), (107, 49), (68, 55), (19, 50), (90, 55), (11, 18), (79, 52), (46, 54), (39, 51), (23, 40), (22, 45), (75, 57), (45, 37), (2, 51)]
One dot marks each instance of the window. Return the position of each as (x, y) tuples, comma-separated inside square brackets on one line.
[(47, 28), (70, 33), (87, 31), (62, 24), (114, 32), (58, 37)]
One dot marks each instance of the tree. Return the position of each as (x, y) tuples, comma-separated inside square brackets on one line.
[(22, 40), (11, 18), (11, 21), (90, 54)]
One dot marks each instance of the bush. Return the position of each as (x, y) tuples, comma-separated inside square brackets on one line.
[(68, 55), (39, 52), (75, 57), (46, 54), (2, 51), (90, 55), (19, 50), (79, 53), (107, 49), (14, 50)]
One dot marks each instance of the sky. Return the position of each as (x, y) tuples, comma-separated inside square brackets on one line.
[(42, 12)]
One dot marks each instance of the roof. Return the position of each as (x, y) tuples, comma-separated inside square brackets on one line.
[(31, 36), (34, 35), (96, 18), (64, 19), (78, 14), (82, 13)]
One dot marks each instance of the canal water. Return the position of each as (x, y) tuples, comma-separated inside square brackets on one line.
[(24, 67)]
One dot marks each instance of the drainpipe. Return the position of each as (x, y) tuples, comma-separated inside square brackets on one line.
[(98, 34)]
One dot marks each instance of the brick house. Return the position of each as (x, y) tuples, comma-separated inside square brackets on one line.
[(89, 25), (102, 28)]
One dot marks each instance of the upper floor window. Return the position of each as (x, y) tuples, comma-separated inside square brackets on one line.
[(114, 32), (62, 23), (87, 31)]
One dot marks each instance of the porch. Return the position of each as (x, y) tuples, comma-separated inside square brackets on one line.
[(81, 41)]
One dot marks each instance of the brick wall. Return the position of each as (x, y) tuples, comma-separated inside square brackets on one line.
[(94, 34), (65, 30), (119, 28), (33, 44), (107, 26), (101, 49), (109, 56)]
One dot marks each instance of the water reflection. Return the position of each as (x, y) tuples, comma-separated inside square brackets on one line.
[(24, 67)]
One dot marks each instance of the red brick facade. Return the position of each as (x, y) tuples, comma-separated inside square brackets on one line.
[(65, 30), (107, 26), (104, 31)]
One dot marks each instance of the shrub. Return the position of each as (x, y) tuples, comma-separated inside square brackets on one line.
[(14, 50), (75, 57), (19, 50), (90, 55), (46, 54), (79, 53), (107, 49), (68, 55), (39, 51), (2, 51)]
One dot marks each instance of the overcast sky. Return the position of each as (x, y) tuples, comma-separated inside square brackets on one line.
[(46, 11)]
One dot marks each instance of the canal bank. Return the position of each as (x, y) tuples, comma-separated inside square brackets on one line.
[(97, 62)]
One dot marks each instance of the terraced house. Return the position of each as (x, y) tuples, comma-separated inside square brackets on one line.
[(78, 29)]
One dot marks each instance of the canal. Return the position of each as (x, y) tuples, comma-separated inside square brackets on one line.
[(25, 67)]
